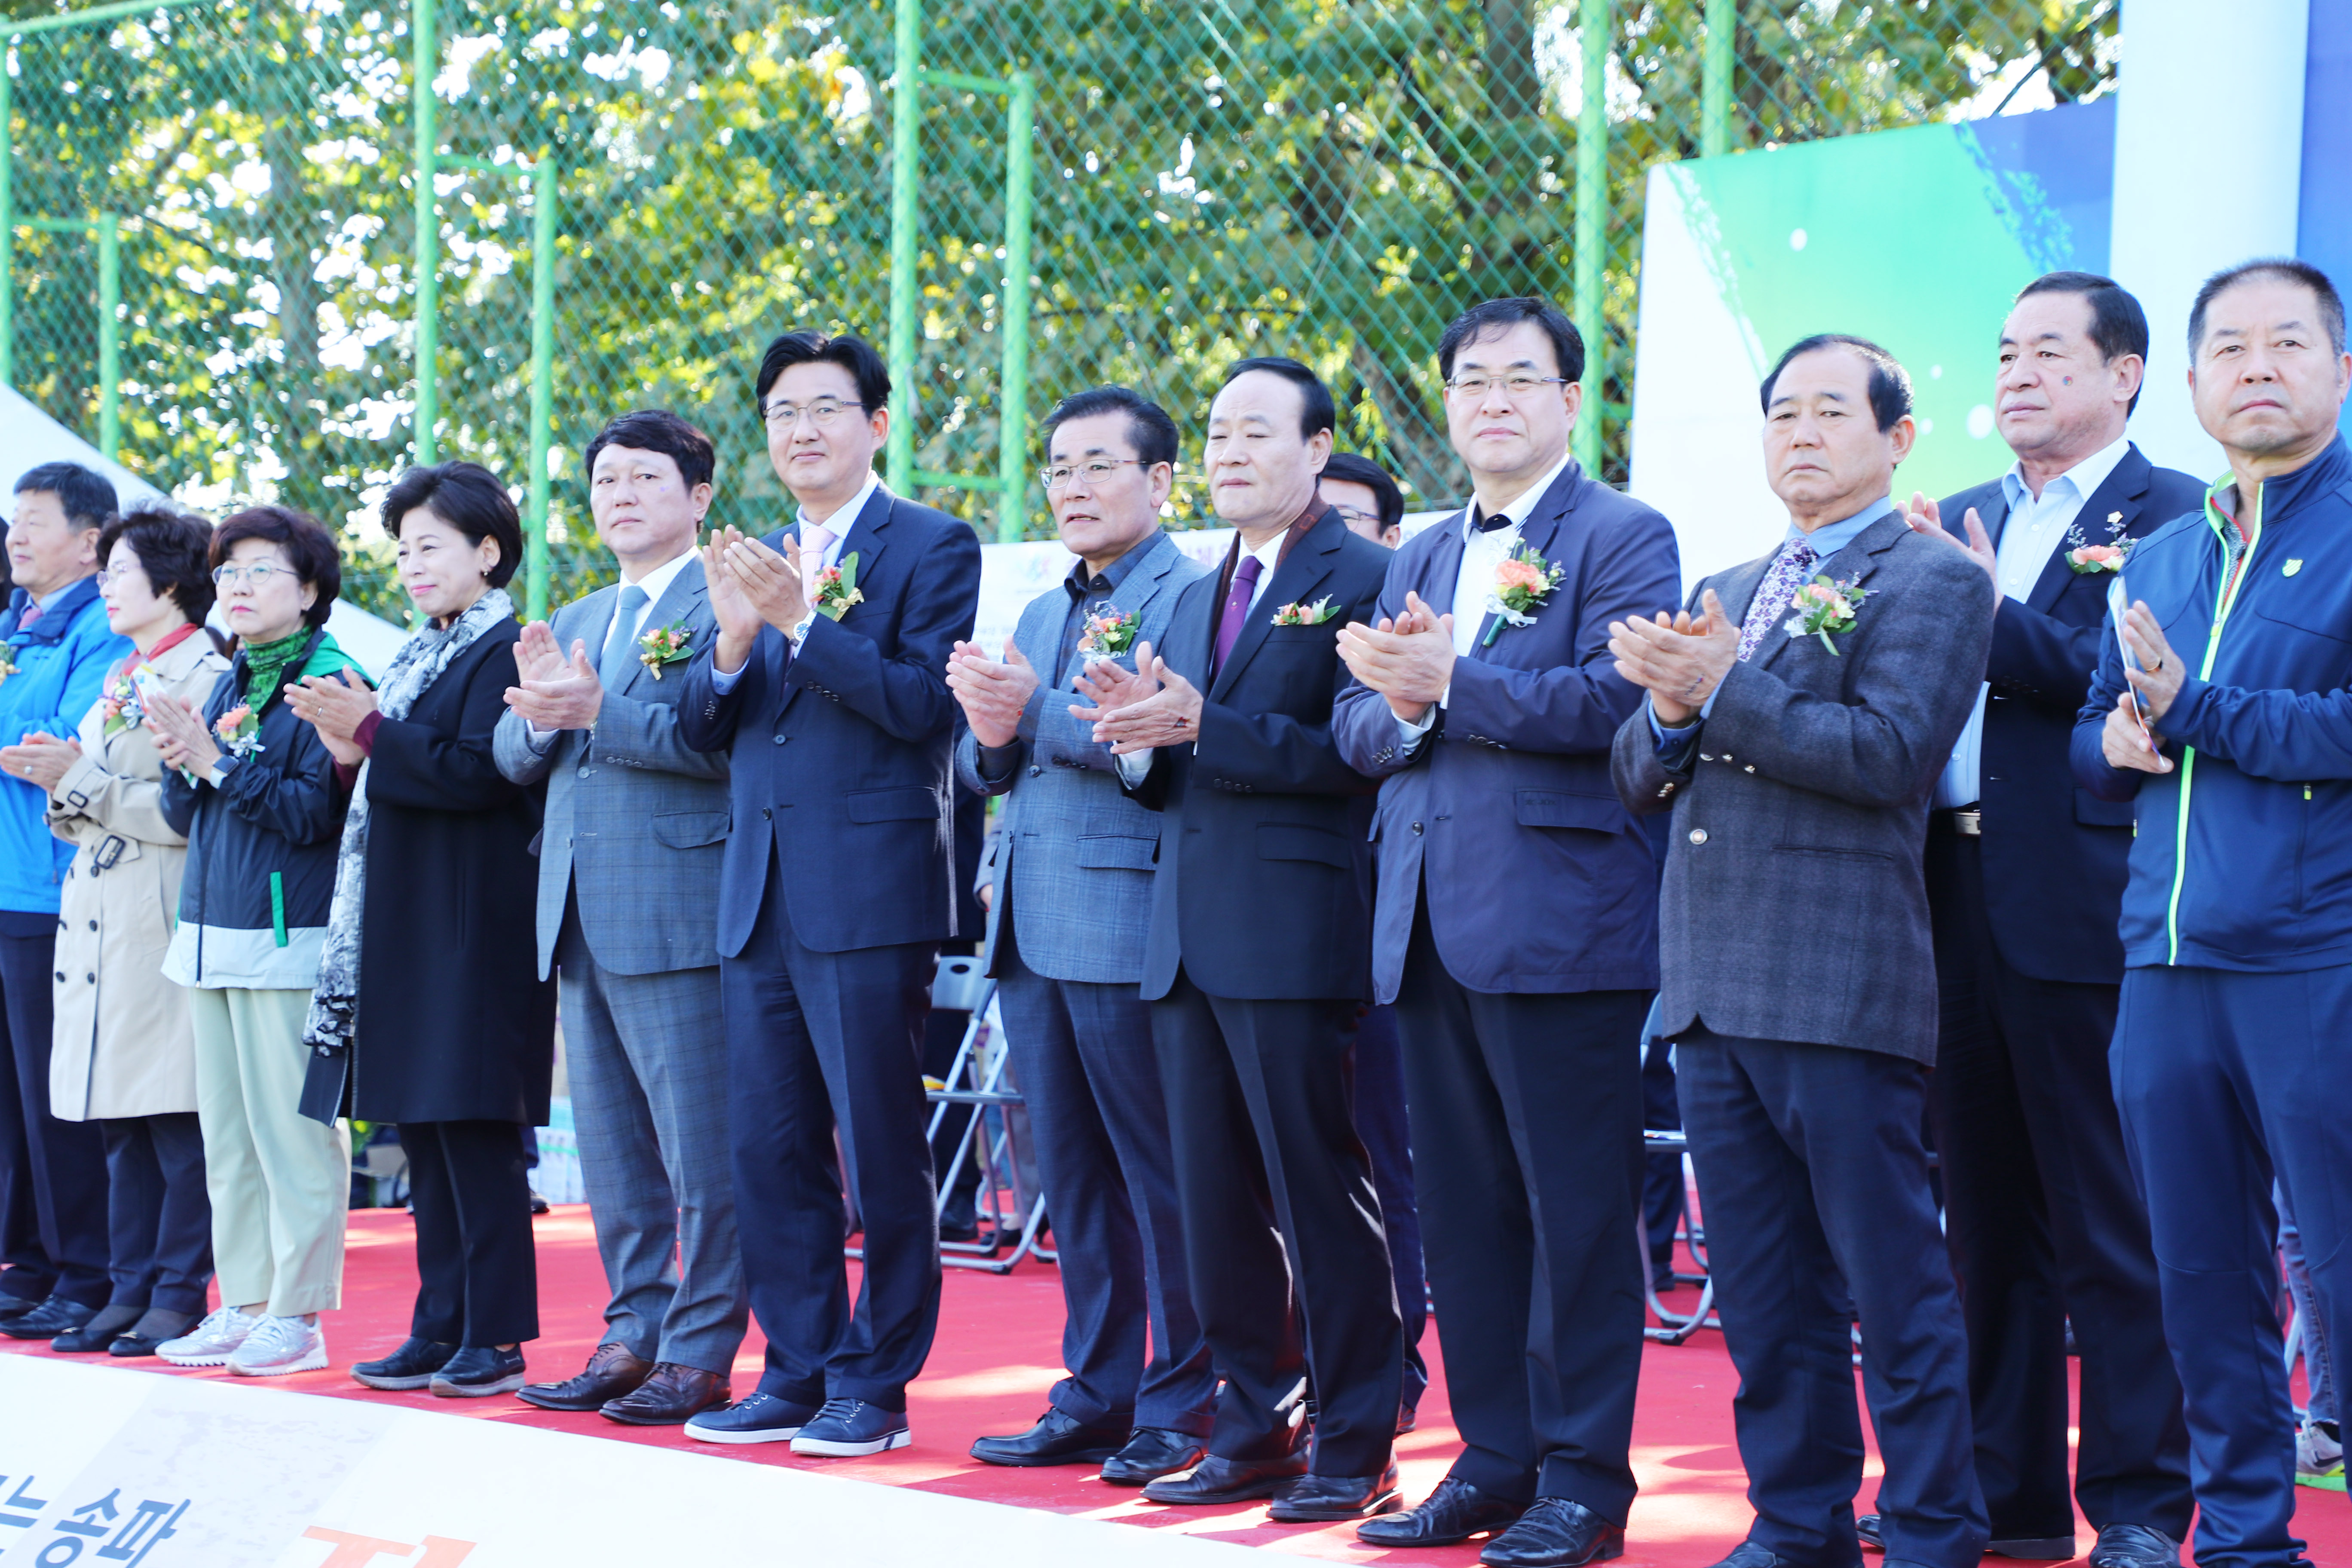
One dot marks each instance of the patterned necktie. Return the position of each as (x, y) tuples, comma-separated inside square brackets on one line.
[(1789, 570), (613, 669), (816, 539), (1237, 603)]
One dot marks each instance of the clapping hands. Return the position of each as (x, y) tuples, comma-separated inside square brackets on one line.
[(1137, 709), (1408, 659), (994, 695), (556, 692), (1680, 659)]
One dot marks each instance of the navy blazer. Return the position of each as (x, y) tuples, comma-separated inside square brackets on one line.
[(1511, 788), (1265, 878), (839, 755), (2054, 854)]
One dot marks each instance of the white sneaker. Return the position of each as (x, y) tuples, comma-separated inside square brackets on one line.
[(2315, 1452), (212, 1341), (280, 1345)]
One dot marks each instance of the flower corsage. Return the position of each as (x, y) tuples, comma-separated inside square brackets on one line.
[(1314, 615), (7, 662), (1824, 609), (1108, 634), (664, 645), (1522, 583), (2087, 558), (837, 589), (238, 731), (122, 704)]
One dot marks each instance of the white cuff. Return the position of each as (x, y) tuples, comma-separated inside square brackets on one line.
[(723, 681)]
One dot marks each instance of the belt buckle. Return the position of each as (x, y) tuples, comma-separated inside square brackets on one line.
[(1968, 823)]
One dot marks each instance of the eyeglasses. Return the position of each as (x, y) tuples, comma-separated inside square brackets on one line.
[(110, 576), (1363, 522), (1513, 386), (1095, 471), (259, 574), (821, 413)]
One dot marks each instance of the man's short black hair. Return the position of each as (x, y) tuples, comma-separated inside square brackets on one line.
[(470, 499), (2118, 326), (1492, 316), (1319, 413), (309, 549), (2283, 268), (174, 548), (1350, 469), (1149, 428), (659, 430), (1890, 384), (87, 495), (850, 351)]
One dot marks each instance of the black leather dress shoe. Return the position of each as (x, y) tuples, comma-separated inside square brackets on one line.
[(2135, 1546), (53, 1317), (15, 1306), (1151, 1453), (1555, 1533), (1865, 1525), (1216, 1480), (1747, 1554), (675, 1394), (612, 1371), (1451, 1514), (1058, 1438), (158, 1324), (99, 1332), (1318, 1499)]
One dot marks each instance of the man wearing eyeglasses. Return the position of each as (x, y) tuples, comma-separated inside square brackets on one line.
[(825, 687), (1072, 904), (1486, 702)]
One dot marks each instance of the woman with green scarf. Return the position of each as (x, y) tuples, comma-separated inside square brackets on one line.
[(253, 789)]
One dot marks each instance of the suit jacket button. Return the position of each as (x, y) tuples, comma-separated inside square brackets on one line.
[(1666, 789), (1036, 772), (1727, 756), (781, 739), (1698, 835), (767, 813), (1705, 758), (1750, 768), (1416, 827)]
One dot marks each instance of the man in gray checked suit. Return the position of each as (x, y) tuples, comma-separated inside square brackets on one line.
[(1797, 746), (1072, 873), (628, 914)]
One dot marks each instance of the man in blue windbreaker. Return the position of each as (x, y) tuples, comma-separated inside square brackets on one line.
[(55, 655), (2230, 1064)]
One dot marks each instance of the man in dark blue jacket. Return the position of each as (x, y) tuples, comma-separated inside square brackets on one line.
[(826, 687), (2025, 873), (2235, 740), (1489, 719)]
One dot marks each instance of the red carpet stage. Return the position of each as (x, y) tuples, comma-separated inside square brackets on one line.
[(996, 1356)]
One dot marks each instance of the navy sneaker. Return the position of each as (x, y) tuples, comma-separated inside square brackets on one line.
[(851, 1428), (477, 1372), (760, 1419), (411, 1366)]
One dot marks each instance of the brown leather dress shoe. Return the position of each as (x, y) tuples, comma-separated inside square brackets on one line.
[(669, 1396), (611, 1373)]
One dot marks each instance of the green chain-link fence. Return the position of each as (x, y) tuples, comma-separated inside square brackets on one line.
[(1326, 178)]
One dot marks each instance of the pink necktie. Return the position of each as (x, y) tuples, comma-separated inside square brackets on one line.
[(816, 539)]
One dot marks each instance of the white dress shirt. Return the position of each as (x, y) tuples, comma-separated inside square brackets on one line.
[(2036, 529), (838, 525)]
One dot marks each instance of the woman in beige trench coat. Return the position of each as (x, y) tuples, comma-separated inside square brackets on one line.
[(122, 1054)]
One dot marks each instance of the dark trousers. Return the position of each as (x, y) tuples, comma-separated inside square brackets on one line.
[(2228, 1081), (1386, 1128), (816, 1041), (63, 1164), (476, 1272), (1527, 1116), (1082, 1053), (1277, 1197), (1814, 1181), (159, 1217), (2044, 1223)]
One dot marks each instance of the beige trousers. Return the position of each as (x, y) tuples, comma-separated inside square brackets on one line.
[(281, 1182)]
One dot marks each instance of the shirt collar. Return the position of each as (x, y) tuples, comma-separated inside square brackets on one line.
[(1832, 537), (1521, 508), (2083, 480), (842, 521), (1080, 583), (657, 581)]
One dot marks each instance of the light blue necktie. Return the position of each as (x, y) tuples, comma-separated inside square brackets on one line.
[(621, 642)]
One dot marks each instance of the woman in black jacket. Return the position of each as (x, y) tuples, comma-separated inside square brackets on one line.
[(429, 1010), (253, 792)]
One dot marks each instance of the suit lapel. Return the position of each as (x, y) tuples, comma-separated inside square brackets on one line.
[(868, 535), (1541, 528), (598, 612), (2112, 511), (1441, 572), (677, 603), (1993, 514), (1295, 582), (1863, 552)]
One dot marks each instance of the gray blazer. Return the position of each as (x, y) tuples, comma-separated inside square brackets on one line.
[(1793, 906), (1075, 852), (633, 813)]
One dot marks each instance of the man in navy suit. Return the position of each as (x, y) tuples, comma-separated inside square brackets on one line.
[(1258, 962), (2025, 879), (825, 687), (1489, 721)]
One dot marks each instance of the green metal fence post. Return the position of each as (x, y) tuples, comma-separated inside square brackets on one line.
[(1714, 81), (905, 142), (7, 219), (1013, 418), (542, 370), (425, 60), (110, 335), (1592, 228)]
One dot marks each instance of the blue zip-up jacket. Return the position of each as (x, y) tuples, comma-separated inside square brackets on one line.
[(2242, 856), (60, 664)]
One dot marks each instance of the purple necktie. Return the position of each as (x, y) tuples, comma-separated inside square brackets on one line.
[(1237, 603), (1772, 596)]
